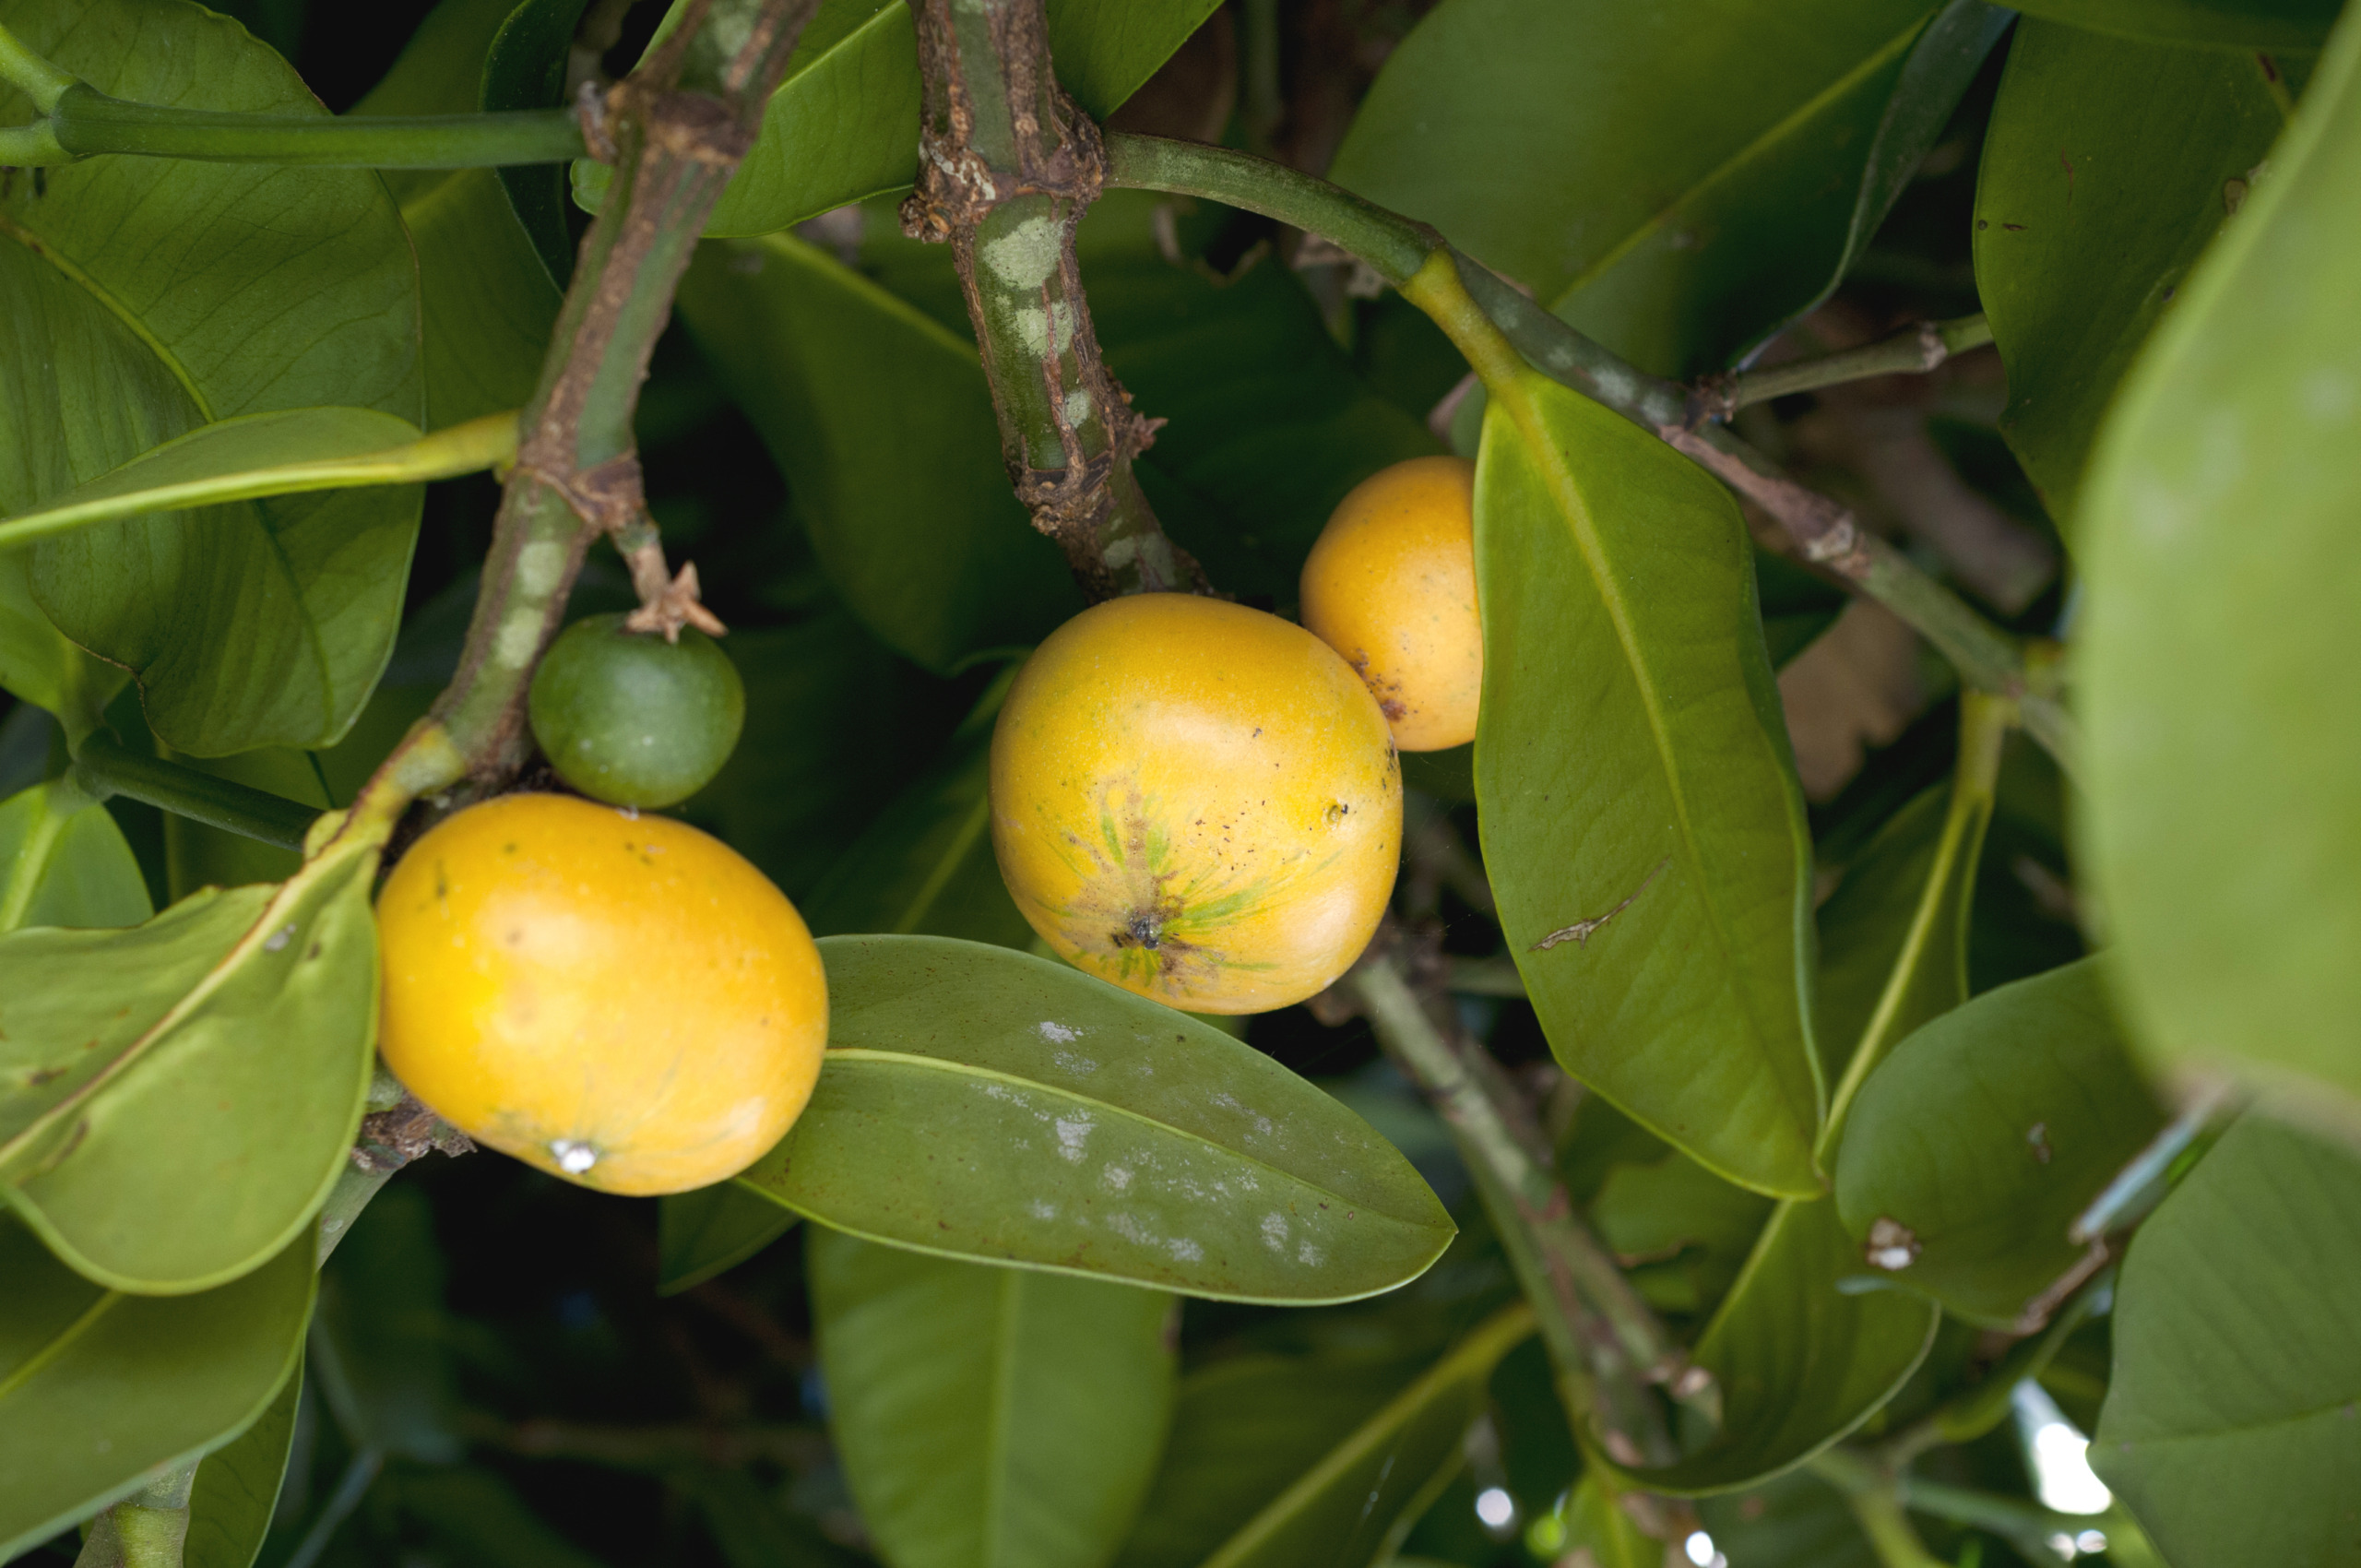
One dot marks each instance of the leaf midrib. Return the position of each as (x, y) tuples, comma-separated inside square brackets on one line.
[(963, 1069), (1810, 108)]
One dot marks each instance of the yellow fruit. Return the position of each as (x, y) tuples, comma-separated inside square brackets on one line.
[(1197, 802), (620, 1000), (1390, 585)]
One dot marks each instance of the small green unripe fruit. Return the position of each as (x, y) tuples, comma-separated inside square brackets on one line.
[(631, 719)]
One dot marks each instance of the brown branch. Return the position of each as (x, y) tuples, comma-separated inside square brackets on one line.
[(1008, 164)]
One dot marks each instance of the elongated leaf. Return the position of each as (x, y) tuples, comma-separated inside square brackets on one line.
[(145, 297), (2249, 24), (1676, 1213), (1352, 1508), (2228, 1428), (884, 419), (985, 1103), (1713, 167), (989, 1416), (1983, 1136), (2221, 664), (1800, 1363), (926, 864), (286, 452), (238, 1484), (1633, 767), (1865, 922), (63, 862), (840, 128), (527, 70), (177, 1099), (101, 1390), (2108, 166), (700, 1233)]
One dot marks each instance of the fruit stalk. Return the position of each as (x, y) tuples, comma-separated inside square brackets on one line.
[(1483, 311), (1913, 350), (1607, 1346), (1007, 166)]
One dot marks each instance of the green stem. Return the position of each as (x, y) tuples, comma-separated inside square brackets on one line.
[(146, 1529), (1008, 165), (1913, 350), (1479, 309), (1604, 1344), (32, 75), (106, 766), (84, 122), (2018, 1519)]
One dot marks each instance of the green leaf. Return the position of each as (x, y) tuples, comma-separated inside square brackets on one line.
[(197, 856), (177, 1099), (63, 862), (1714, 168), (1795, 1521), (1243, 1428), (100, 1390), (42, 667), (884, 419), (381, 1343), (989, 1416), (1595, 1524), (840, 127), (284, 453), (2220, 666), (1632, 766), (238, 1484), (527, 70), (1985, 1134), (2228, 1428), (984, 1103), (700, 1233), (145, 297), (2249, 24), (2108, 168), (1352, 1508), (1866, 923), (1676, 1211), (1800, 1362)]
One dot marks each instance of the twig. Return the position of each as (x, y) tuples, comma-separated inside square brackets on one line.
[(1007, 166), (1606, 1346), (1913, 350), (1402, 250), (104, 766)]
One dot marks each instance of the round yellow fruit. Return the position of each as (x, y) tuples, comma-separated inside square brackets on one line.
[(1197, 802), (1390, 585), (618, 999)]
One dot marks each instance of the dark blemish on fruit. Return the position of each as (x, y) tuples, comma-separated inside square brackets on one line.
[(1336, 813)]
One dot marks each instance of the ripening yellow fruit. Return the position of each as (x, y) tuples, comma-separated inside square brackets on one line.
[(1390, 585), (618, 999), (1197, 802)]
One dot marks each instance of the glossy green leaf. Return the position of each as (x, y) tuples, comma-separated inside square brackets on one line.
[(842, 126), (883, 418), (63, 862), (145, 297), (1632, 767), (703, 1233), (177, 1099), (1985, 1134), (1242, 1430), (2109, 165), (38, 665), (100, 1390), (285, 453), (238, 1484), (527, 70), (2219, 666), (1675, 1212), (1800, 1362), (2248, 24), (487, 296), (980, 1102), (989, 1416), (1794, 1521), (2229, 1426), (1352, 1508), (1866, 921), (381, 1344), (1713, 167)]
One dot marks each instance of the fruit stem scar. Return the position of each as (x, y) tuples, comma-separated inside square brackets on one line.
[(573, 1155), (1581, 931)]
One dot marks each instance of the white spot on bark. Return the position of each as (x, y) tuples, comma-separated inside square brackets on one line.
[(1026, 255), (539, 566)]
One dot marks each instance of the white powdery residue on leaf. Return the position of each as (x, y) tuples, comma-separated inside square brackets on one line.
[(1072, 1134), (1275, 1232), (1117, 1178), (1043, 1209), (1309, 1255), (1184, 1250), (1081, 1066), (1059, 1033)]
